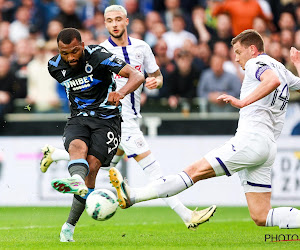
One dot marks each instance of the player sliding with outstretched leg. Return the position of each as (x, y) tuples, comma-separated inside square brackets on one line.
[(252, 151)]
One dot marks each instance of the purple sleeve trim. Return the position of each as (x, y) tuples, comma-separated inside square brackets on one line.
[(261, 70)]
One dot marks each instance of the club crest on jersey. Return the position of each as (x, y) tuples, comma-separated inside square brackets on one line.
[(88, 68), (138, 55), (139, 142)]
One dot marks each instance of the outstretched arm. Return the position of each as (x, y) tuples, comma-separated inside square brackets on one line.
[(269, 82), (135, 79), (295, 58)]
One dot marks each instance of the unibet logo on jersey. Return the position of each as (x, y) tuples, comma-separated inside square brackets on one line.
[(79, 83)]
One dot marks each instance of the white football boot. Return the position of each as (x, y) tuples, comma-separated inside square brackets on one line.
[(201, 216), (66, 233), (71, 185), (47, 159), (121, 187)]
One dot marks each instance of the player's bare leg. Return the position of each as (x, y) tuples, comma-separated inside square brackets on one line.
[(261, 212)]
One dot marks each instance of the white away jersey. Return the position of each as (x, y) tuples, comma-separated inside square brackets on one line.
[(267, 114), (139, 55)]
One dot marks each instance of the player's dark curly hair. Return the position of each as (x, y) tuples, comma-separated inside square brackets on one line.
[(67, 35), (248, 38)]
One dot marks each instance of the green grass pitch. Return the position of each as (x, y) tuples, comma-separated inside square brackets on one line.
[(136, 228)]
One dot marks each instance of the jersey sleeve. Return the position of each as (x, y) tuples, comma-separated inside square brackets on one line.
[(294, 81), (255, 68), (150, 64), (110, 61)]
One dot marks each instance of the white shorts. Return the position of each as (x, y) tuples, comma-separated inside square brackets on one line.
[(252, 155), (133, 142)]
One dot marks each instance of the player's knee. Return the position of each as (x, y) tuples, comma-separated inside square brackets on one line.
[(259, 220)]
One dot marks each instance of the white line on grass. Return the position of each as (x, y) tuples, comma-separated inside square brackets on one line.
[(129, 224)]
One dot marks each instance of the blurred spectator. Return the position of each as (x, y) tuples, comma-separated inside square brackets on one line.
[(297, 39), (266, 8), (287, 21), (203, 52), (87, 37), (41, 87), (137, 26), (275, 51), (7, 10), (154, 28), (223, 31), (198, 19), (7, 81), (172, 8), (98, 28), (53, 29), (67, 15), (287, 38), (242, 13), (210, 20), (182, 82), (192, 48), (220, 48), (297, 15), (23, 55), (36, 19), (175, 38), (49, 10), (7, 49), (19, 29), (214, 82), (4, 30), (166, 65), (132, 7), (152, 18), (89, 11), (260, 25)]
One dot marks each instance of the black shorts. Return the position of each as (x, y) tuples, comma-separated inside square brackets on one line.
[(102, 136)]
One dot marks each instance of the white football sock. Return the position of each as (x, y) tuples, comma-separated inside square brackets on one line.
[(78, 177), (115, 160), (284, 217), (60, 154), (162, 188), (152, 169)]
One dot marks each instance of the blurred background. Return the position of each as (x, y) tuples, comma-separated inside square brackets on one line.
[(191, 43)]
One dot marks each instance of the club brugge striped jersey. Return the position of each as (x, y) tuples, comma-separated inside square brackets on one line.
[(88, 85), (267, 114), (139, 55)]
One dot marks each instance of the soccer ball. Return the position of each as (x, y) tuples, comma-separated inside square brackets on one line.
[(101, 204)]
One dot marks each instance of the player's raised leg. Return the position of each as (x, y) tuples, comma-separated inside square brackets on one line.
[(51, 154)]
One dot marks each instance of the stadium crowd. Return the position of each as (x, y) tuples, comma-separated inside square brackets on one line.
[(190, 40)]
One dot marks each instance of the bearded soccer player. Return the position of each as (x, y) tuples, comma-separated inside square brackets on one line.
[(92, 134)]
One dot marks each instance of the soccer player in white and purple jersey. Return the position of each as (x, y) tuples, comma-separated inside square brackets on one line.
[(252, 151)]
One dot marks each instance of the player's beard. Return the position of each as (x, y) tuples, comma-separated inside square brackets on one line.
[(117, 36), (80, 63)]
